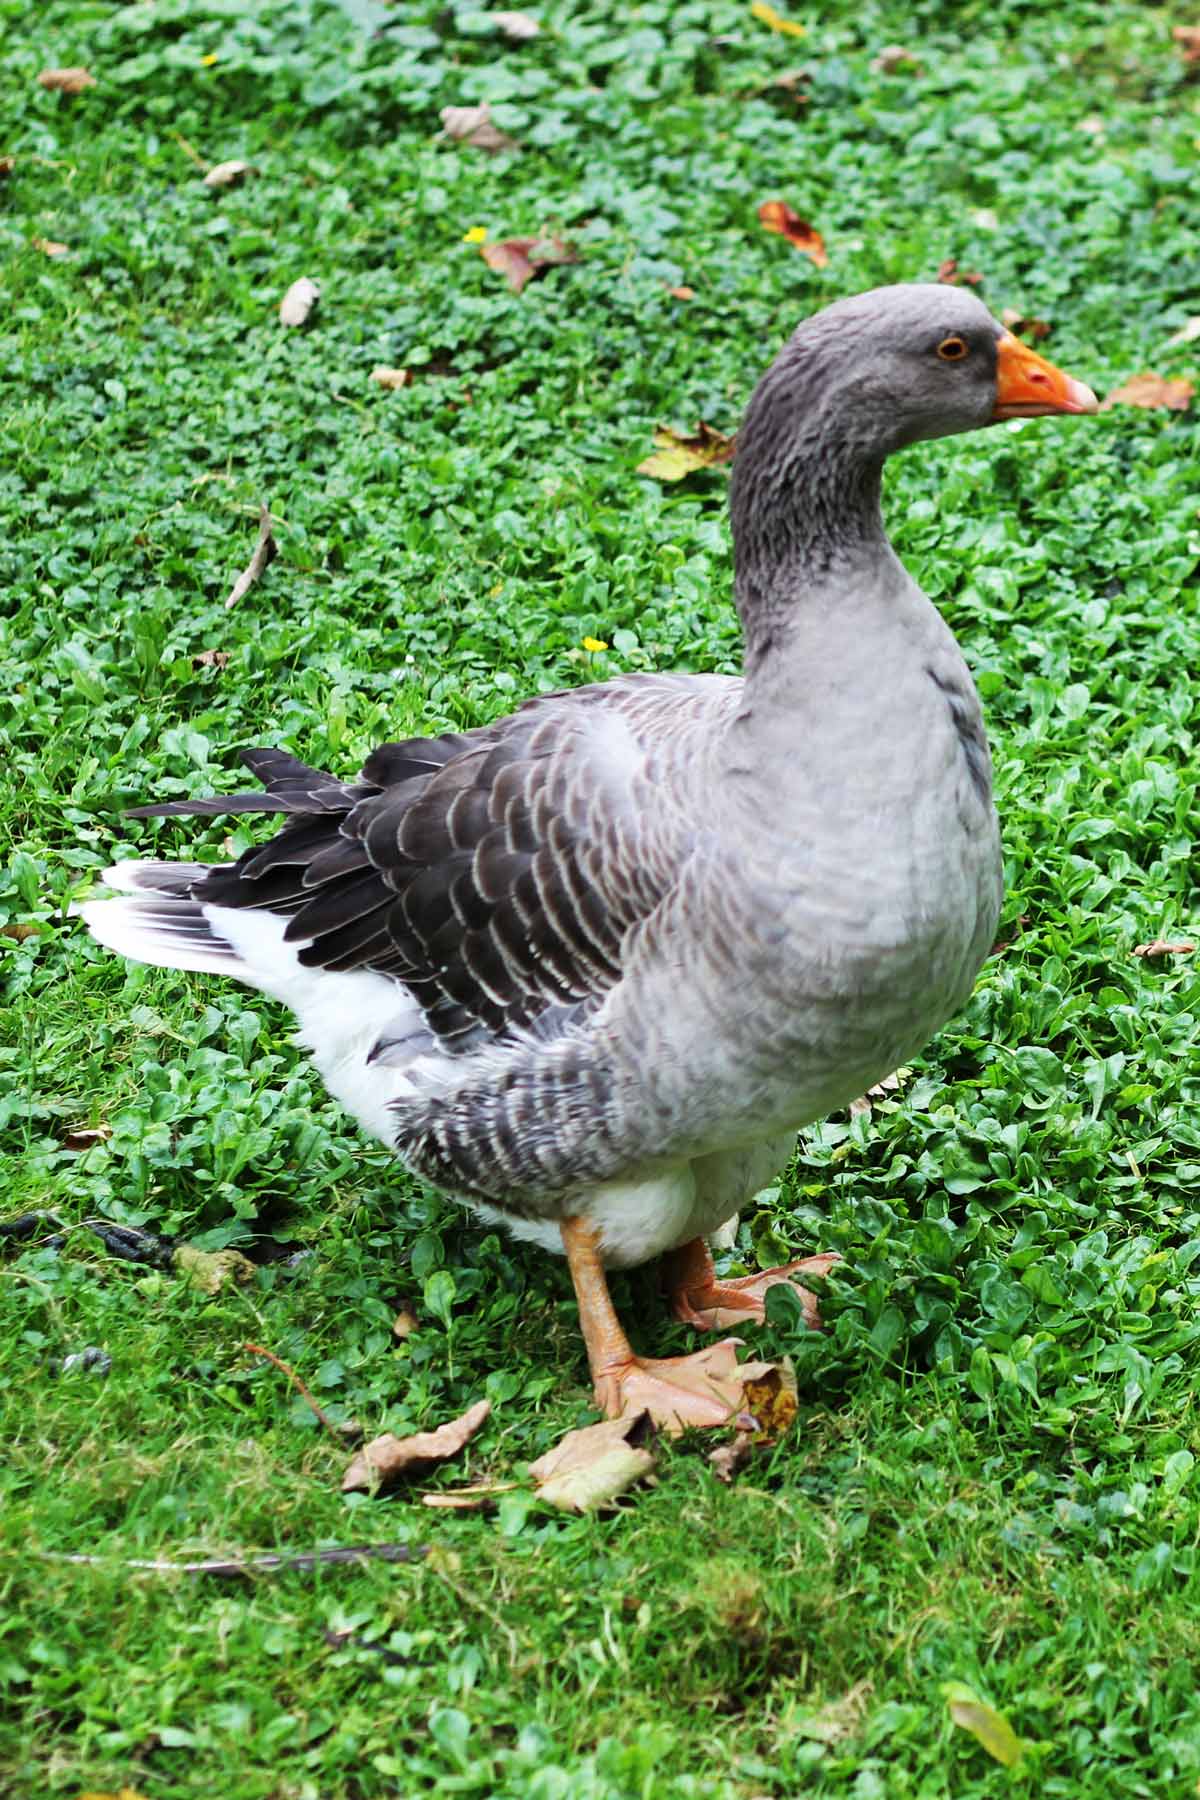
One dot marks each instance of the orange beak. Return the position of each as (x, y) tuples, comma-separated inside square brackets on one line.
[(1027, 385)]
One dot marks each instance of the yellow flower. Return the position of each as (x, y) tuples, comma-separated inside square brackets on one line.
[(476, 235), (594, 645), (206, 62)]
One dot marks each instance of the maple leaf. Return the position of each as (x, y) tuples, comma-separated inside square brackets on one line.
[(675, 456), (519, 260), (385, 1460), (1151, 392), (778, 216)]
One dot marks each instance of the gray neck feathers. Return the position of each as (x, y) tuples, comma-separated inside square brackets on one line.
[(805, 493)]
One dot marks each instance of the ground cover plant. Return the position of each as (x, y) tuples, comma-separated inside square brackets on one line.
[(992, 1479)]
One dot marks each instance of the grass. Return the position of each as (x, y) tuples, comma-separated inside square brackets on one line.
[(993, 1479)]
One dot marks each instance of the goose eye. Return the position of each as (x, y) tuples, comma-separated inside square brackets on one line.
[(952, 349)]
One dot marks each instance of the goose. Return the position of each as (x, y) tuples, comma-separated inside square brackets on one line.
[(589, 968)]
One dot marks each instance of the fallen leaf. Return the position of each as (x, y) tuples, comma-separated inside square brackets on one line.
[(7, 165), (1020, 326), (473, 125), (778, 216), (728, 1458), (125, 1793), (588, 1469), (675, 456), (82, 1137), (468, 1499), (228, 174), (893, 58), (987, 1726), (889, 1085), (682, 293), (404, 1323), (770, 1400), (1188, 39), (1151, 391), (391, 378), (49, 247), (515, 25), (1187, 333), (264, 553), (766, 15), (387, 1459), (298, 302), (519, 260), (19, 930), (950, 276), (211, 1270), (1163, 947), (66, 81), (210, 659)]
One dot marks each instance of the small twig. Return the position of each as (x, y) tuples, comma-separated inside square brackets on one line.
[(191, 152), (339, 1437), (264, 553), (252, 1565)]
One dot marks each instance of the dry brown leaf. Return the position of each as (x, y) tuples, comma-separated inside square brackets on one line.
[(987, 1726), (297, 304), (391, 378), (728, 1458), (387, 1459), (7, 165), (778, 216), (774, 21), (404, 1323), (1188, 332), (1163, 947), (211, 1270), (950, 275), (519, 260), (1188, 39), (19, 930), (889, 1085), (210, 659), (264, 553), (589, 1469), (228, 174), (1020, 326), (682, 293), (770, 1398), (893, 58), (473, 125), (49, 247), (675, 456), (82, 1137), (477, 1498), (518, 26), (1151, 392), (66, 81)]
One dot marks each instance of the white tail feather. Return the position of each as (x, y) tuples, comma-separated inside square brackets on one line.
[(167, 934)]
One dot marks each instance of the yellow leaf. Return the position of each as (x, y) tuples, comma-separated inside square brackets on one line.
[(126, 1793), (987, 1726), (675, 456), (766, 15)]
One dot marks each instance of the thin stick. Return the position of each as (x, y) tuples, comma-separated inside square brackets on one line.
[(264, 552), (339, 1437), (250, 1565)]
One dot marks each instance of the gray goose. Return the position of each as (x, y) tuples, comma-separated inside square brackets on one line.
[(589, 968)]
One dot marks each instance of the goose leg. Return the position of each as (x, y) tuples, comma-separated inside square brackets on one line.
[(699, 1298), (702, 1389)]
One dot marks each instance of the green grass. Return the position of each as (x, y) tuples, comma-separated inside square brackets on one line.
[(992, 1480)]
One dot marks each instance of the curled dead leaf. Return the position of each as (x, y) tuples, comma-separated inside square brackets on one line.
[(778, 216), (473, 125), (774, 21), (388, 1459), (682, 293), (83, 1137), (1020, 326), (265, 552), (391, 378), (478, 1498), (893, 59), (210, 659), (518, 27), (890, 1084), (770, 1399), (1188, 332), (297, 304), (1151, 392), (519, 260), (950, 275), (50, 247), (19, 930), (1163, 947), (1188, 39), (66, 81), (7, 165), (987, 1726), (727, 1459), (404, 1323), (675, 456), (228, 174), (589, 1469), (212, 1270)]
